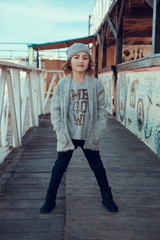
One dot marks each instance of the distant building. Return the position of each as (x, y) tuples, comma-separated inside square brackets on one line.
[(101, 8)]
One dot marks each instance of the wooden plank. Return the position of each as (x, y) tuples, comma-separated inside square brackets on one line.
[(138, 13), (27, 214), (105, 69), (135, 187), (133, 171), (29, 225), (6, 64), (110, 234), (32, 235), (149, 61), (24, 178)]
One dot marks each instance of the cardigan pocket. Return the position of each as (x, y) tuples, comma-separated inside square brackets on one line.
[(61, 137), (97, 133)]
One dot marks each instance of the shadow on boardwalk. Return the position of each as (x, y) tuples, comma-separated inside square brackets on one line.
[(133, 172)]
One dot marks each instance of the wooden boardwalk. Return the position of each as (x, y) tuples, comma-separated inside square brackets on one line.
[(133, 172)]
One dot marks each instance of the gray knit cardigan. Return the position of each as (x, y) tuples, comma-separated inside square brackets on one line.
[(97, 111)]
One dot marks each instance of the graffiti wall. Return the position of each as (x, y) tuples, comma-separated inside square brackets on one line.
[(138, 104), (134, 52), (108, 81)]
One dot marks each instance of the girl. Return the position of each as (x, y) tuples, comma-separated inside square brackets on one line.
[(78, 115)]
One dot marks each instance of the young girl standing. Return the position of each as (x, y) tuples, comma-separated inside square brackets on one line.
[(78, 115)]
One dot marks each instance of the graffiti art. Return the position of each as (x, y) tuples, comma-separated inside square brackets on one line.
[(158, 143), (140, 114), (134, 86), (148, 128), (122, 96)]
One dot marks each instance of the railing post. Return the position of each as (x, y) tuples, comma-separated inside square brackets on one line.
[(32, 118), (50, 88), (24, 95), (34, 90), (18, 86), (42, 93), (2, 88), (4, 123), (12, 109), (15, 73)]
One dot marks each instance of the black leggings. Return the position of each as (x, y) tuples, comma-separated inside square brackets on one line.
[(61, 164)]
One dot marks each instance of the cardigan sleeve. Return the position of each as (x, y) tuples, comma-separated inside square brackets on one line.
[(101, 106), (55, 109)]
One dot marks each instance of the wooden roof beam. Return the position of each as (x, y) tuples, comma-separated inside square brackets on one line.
[(151, 2), (120, 15), (112, 27), (102, 42), (99, 40)]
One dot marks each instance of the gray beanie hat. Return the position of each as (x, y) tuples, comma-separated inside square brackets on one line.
[(75, 48)]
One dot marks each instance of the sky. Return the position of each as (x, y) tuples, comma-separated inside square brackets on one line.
[(41, 21)]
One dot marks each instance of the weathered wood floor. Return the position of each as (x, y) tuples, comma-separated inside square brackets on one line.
[(25, 174), (133, 172)]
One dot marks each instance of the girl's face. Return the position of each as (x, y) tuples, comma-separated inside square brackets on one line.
[(80, 62)]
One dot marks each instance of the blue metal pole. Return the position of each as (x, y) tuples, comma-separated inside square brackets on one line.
[(37, 59)]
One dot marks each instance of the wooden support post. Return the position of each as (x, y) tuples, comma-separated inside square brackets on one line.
[(104, 60), (156, 27), (101, 40), (104, 51), (120, 16), (119, 37), (96, 59)]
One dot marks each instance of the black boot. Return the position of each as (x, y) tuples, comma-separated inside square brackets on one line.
[(48, 205), (107, 200), (56, 177)]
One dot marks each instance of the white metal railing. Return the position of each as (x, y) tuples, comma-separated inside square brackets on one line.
[(22, 100)]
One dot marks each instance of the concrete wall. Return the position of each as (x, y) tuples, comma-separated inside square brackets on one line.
[(108, 80), (135, 97), (138, 104)]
